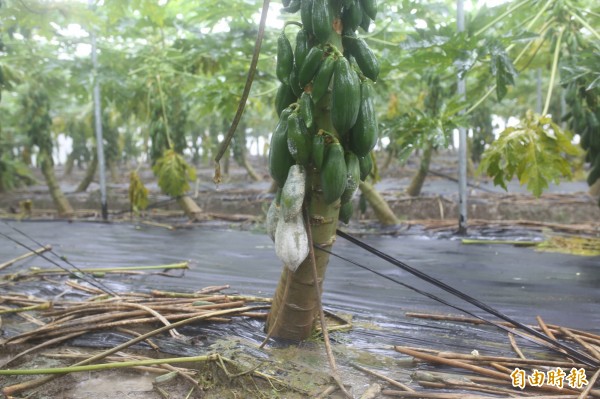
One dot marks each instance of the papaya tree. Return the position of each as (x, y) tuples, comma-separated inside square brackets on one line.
[(167, 132), (13, 171), (327, 128), (36, 122), (581, 81), (538, 150), (426, 125)]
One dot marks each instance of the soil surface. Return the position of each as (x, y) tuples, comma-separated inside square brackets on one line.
[(568, 202)]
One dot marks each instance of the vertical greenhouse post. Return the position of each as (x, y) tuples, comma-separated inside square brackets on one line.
[(98, 125), (462, 138)]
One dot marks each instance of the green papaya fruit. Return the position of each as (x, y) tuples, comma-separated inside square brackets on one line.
[(364, 133), (345, 97), (594, 137), (306, 14), (369, 7), (366, 166), (352, 16), (585, 139), (322, 79), (310, 66), (362, 203), (353, 176), (293, 7), (333, 174), (365, 22), (346, 211), (318, 151), (285, 59), (294, 84), (302, 48), (280, 158), (285, 96), (322, 20), (299, 143), (306, 109), (364, 56), (594, 172), (592, 120)]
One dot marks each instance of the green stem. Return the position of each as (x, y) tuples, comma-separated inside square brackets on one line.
[(500, 17), (539, 14), (553, 74), (164, 110), (42, 306), (291, 23), (584, 23), (109, 366), (181, 265), (468, 241), (481, 100)]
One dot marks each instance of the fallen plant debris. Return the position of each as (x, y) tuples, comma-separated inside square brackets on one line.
[(134, 314), (553, 376), (54, 321)]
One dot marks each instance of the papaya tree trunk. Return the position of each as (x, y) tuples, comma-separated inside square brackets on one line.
[(240, 153), (60, 201), (251, 172), (595, 190), (89, 175), (293, 316), (391, 154), (69, 164), (114, 174), (382, 210), (416, 184), (189, 206)]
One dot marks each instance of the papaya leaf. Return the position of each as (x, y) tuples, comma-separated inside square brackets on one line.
[(502, 68), (138, 193), (173, 173), (535, 151)]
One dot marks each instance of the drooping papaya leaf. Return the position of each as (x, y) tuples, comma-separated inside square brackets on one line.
[(138, 193), (535, 151), (174, 173), (501, 67)]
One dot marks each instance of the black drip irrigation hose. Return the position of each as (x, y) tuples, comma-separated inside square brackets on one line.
[(553, 344)]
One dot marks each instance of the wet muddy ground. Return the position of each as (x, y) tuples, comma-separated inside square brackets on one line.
[(520, 282), (562, 289)]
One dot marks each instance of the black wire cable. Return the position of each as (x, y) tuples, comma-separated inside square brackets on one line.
[(443, 301), (84, 276), (574, 353)]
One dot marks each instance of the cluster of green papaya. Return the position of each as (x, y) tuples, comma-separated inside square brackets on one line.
[(327, 118), (584, 119)]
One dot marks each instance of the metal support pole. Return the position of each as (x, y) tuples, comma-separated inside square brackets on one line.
[(98, 125), (462, 138)]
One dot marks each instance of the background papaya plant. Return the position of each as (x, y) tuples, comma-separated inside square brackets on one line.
[(37, 123)]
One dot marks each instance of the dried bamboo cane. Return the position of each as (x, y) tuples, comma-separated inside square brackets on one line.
[(38, 251)]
